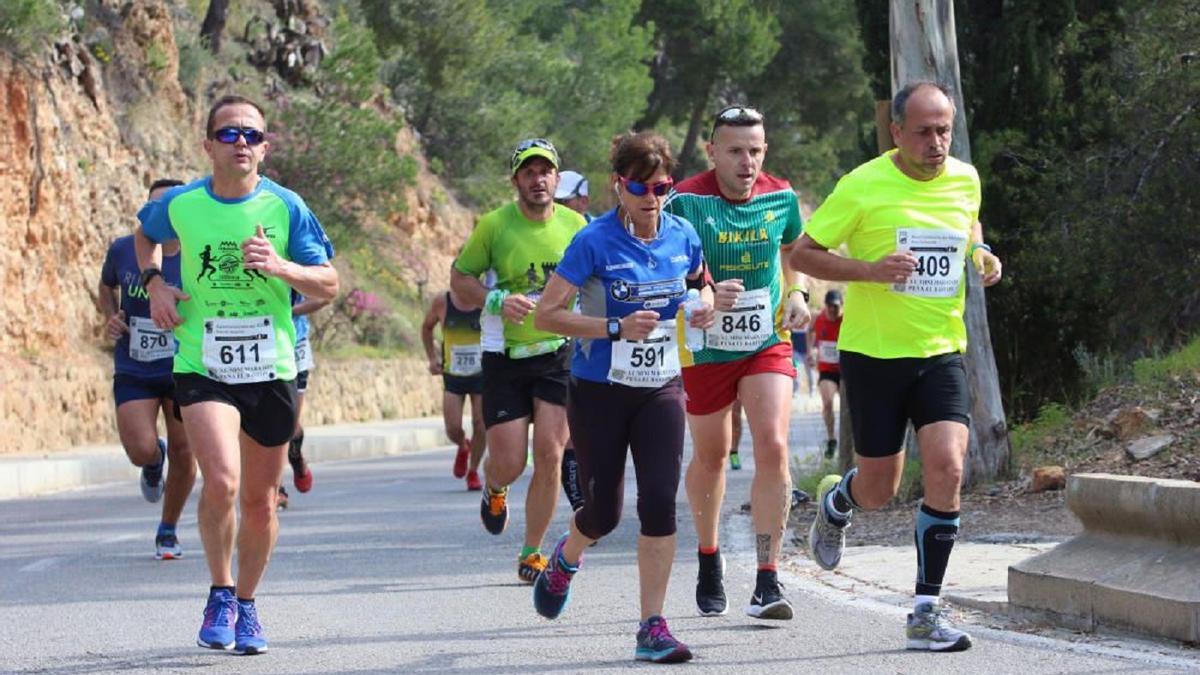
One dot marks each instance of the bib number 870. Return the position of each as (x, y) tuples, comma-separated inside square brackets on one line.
[(646, 357), (229, 353), (742, 324), (148, 341), (933, 266)]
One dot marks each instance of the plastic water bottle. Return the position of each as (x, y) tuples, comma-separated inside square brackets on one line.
[(693, 337)]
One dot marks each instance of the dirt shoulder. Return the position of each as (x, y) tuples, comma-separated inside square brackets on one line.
[(1000, 513)]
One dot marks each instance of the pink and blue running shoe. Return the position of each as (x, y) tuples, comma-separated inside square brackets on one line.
[(552, 588), (656, 644), (220, 614)]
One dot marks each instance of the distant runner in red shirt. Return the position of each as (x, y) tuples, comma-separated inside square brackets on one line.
[(823, 352)]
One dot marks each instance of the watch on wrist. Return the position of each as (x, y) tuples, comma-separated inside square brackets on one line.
[(614, 328), (148, 274)]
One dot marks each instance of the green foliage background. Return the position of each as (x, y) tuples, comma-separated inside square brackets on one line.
[(1084, 118)]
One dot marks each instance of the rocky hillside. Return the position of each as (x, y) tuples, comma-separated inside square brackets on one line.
[(83, 131)]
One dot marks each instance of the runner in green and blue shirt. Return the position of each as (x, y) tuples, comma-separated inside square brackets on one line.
[(245, 243)]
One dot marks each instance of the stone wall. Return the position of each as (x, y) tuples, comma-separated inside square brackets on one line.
[(360, 390)]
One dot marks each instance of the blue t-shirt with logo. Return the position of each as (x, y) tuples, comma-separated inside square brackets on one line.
[(121, 269), (618, 274)]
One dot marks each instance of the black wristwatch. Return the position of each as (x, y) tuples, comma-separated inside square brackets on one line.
[(614, 328), (148, 274)]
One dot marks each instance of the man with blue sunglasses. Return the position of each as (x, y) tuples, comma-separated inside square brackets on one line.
[(246, 245)]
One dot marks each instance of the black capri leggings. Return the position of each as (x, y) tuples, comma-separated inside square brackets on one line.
[(606, 419)]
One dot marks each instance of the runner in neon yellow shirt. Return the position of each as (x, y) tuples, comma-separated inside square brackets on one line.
[(245, 244), (910, 222)]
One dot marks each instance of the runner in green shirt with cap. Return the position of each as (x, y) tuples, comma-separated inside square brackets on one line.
[(523, 242)]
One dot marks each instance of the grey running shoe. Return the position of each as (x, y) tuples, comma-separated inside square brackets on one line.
[(826, 541), (930, 630), (152, 481)]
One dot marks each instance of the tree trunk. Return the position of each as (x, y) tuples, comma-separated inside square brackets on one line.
[(214, 24), (924, 47), (690, 141), (845, 458)]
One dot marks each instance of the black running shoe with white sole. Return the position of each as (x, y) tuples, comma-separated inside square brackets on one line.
[(768, 601), (710, 585)]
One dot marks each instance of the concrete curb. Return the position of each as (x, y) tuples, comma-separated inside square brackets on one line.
[(1134, 566), (32, 475)]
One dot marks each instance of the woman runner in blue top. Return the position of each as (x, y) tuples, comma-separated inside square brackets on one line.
[(631, 268)]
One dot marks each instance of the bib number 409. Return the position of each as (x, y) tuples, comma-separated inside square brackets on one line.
[(933, 266)]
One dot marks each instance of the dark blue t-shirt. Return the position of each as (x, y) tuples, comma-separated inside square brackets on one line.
[(618, 274), (121, 269)]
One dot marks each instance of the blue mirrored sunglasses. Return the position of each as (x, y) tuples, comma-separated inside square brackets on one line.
[(230, 135), (639, 189)]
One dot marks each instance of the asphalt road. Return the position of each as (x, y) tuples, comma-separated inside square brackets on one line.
[(385, 567)]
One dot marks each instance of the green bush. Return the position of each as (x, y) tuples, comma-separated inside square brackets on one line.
[(1182, 362), (1027, 439), (25, 24)]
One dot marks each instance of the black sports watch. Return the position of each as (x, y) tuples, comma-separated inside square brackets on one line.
[(614, 328), (148, 274)]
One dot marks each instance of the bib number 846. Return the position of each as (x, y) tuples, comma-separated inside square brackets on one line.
[(746, 323)]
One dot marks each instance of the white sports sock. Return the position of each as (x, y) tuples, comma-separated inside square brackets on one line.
[(919, 600)]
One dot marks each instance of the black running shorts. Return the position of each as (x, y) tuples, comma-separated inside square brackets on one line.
[(268, 409), (883, 395), (463, 386), (824, 375), (510, 385), (128, 388)]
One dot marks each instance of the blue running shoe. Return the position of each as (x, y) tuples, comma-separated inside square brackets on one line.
[(152, 481), (250, 637), (656, 644), (552, 588), (220, 614), (166, 546)]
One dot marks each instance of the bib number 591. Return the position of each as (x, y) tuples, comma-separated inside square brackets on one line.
[(647, 357)]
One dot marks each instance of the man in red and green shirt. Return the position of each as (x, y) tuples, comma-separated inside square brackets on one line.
[(745, 219)]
